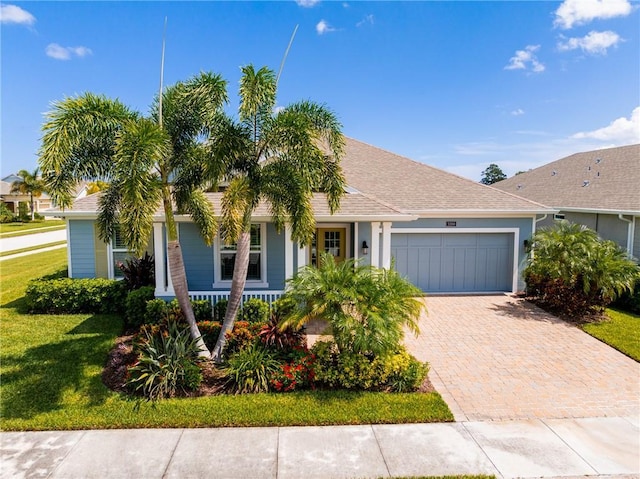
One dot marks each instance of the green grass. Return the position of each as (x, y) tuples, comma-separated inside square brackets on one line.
[(31, 248), (621, 331), (50, 368), (7, 230)]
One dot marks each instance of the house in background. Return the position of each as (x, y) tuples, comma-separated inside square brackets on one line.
[(445, 233), (599, 189)]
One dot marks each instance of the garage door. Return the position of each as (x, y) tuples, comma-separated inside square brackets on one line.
[(460, 262)]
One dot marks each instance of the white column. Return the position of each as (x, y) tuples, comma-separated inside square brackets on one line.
[(158, 253), (302, 256), (375, 243), (386, 244), (288, 252), (356, 242)]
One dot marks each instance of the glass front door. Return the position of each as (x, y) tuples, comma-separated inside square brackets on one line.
[(329, 240)]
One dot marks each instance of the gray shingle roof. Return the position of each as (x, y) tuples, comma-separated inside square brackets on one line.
[(607, 180)]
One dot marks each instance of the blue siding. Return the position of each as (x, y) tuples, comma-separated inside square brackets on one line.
[(81, 246), (198, 258), (275, 258), (364, 234)]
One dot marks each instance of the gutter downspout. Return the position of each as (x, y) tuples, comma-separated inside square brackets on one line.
[(629, 234), (535, 222)]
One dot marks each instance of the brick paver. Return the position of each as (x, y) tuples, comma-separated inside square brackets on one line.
[(499, 357)]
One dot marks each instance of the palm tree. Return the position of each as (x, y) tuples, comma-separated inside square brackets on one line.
[(31, 184), (149, 162), (281, 156)]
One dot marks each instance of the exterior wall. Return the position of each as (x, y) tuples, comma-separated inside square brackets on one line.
[(101, 255), (636, 239), (607, 226), (198, 258), (524, 225), (275, 259), (81, 248), (364, 234)]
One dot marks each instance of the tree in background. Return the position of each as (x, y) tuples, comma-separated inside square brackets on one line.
[(95, 186), (492, 174), (158, 161), (281, 156), (30, 184)]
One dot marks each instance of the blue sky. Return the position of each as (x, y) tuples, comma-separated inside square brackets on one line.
[(458, 85)]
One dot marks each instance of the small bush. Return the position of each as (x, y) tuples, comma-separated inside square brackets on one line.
[(38, 217), (136, 305), (630, 301), (279, 337), (219, 310), (295, 374), (70, 296), (254, 311), (138, 272), (210, 330), (6, 216), (156, 311), (202, 310), (250, 369), (242, 336), (168, 364)]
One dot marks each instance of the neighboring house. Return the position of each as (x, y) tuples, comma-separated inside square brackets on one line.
[(599, 189), (447, 234), (40, 203)]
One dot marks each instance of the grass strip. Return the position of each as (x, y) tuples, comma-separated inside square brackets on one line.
[(621, 331), (31, 248), (9, 230)]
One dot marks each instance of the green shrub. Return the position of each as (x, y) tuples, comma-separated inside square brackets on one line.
[(6, 216), (220, 309), (136, 305), (397, 372), (69, 296), (630, 301), (202, 310), (254, 311), (243, 335), (210, 330), (574, 272), (167, 365), (156, 311), (38, 216), (250, 369)]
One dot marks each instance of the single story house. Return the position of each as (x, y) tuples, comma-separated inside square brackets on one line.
[(40, 203), (599, 189), (447, 234)]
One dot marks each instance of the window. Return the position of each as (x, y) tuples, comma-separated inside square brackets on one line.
[(256, 270), (119, 253), (558, 216)]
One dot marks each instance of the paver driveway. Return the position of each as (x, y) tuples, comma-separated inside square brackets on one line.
[(499, 357)]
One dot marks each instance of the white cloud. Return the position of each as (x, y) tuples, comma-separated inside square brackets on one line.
[(59, 52), (622, 131), (593, 42), (307, 3), (323, 27), (517, 112), (367, 20), (15, 14), (579, 12), (525, 59)]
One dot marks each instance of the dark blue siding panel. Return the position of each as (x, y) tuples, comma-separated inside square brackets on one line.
[(81, 245), (198, 258), (275, 258)]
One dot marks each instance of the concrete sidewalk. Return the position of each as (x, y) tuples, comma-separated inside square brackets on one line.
[(525, 448)]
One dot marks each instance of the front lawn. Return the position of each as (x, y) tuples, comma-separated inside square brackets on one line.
[(51, 378), (621, 331), (7, 230)]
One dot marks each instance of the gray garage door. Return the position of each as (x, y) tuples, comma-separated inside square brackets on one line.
[(460, 262)]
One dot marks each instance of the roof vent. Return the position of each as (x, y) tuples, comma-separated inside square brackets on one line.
[(585, 183), (598, 160), (554, 173), (519, 187), (588, 168), (598, 174)]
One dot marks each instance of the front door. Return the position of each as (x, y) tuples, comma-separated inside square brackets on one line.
[(329, 240)]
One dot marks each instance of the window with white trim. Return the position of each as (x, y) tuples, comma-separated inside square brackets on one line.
[(257, 257), (119, 253)]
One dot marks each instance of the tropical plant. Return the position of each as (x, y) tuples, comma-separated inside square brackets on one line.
[(366, 307), (138, 272), (249, 370), (254, 310), (281, 156), (31, 184), (150, 162), (575, 272), (6, 216), (168, 364), (95, 186)]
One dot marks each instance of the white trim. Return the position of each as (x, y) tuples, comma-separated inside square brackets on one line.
[(263, 283), (303, 254), (516, 241), (629, 233), (601, 212), (288, 252), (386, 245), (69, 264), (356, 241), (374, 247), (347, 234), (159, 259)]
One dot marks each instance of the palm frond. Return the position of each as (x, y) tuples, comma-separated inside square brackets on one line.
[(236, 209), (197, 205)]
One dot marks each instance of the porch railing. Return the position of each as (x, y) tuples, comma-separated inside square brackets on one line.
[(214, 296)]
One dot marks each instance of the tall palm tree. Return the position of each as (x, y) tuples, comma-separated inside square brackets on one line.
[(281, 156), (31, 184), (149, 162)]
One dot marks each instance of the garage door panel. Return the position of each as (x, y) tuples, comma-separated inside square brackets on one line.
[(457, 262)]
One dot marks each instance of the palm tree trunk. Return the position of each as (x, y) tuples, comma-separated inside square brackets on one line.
[(179, 276), (31, 206), (237, 289)]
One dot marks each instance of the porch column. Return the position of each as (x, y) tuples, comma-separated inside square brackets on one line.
[(375, 243), (163, 280), (386, 244), (288, 252), (302, 256), (356, 241)]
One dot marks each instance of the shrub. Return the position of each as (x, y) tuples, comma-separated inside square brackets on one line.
[(156, 311), (202, 310), (168, 364), (138, 272), (38, 216), (367, 308), (210, 330), (6, 216), (250, 369), (630, 301), (243, 335), (295, 374), (220, 309), (136, 305), (397, 372), (66, 295), (574, 272), (254, 311), (279, 337)]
